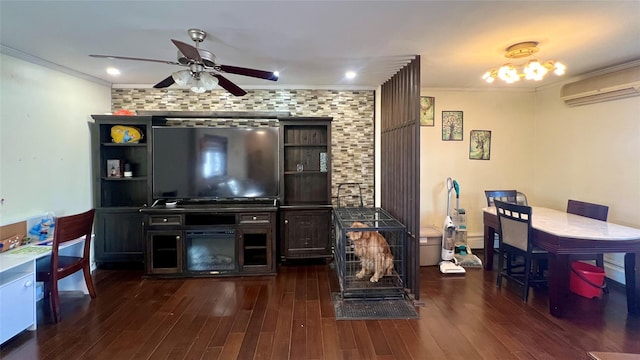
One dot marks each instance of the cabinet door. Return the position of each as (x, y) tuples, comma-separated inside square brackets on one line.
[(306, 233), (119, 236), (164, 252), (256, 249), (17, 311)]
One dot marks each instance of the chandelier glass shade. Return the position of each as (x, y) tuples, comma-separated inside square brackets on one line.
[(531, 70)]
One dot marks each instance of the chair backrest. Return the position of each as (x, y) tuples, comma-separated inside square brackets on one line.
[(72, 227), (514, 224), (521, 199), (590, 210), (502, 195)]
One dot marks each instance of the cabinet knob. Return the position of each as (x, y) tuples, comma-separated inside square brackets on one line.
[(177, 237), (286, 221), (255, 218), (165, 220), (29, 283)]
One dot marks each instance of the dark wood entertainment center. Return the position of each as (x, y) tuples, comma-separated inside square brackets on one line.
[(250, 235)]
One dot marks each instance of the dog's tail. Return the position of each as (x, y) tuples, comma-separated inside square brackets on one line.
[(389, 266)]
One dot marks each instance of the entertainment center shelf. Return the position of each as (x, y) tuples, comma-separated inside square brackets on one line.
[(230, 164), (205, 240)]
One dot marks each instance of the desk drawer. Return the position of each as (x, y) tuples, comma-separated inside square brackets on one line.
[(155, 220), (261, 218)]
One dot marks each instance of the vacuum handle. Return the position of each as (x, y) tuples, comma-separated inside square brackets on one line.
[(457, 187)]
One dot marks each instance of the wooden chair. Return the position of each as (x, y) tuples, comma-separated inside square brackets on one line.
[(512, 196), (52, 268), (593, 211), (521, 199), (502, 195), (516, 240)]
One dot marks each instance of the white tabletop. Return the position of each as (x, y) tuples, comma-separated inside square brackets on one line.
[(560, 223)]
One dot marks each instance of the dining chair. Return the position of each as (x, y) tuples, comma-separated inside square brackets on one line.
[(52, 268), (502, 195), (593, 211), (521, 199), (516, 241)]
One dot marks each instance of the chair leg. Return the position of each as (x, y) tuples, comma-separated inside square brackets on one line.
[(54, 301), (527, 276), (89, 281), (500, 266)]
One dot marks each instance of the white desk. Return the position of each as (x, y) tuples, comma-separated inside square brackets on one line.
[(18, 288)]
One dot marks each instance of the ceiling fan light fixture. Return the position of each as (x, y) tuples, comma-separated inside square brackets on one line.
[(197, 86), (181, 77), (531, 70), (209, 81)]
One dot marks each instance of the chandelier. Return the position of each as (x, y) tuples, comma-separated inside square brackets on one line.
[(531, 70)]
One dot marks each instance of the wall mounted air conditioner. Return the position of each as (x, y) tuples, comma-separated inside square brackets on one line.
[(611, 86)]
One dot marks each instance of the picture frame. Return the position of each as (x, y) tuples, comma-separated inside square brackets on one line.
[(452, 125), (427, 110), (114, 168), (480, 145)]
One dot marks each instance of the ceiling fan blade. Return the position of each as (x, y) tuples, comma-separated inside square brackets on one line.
[(229, 86), (165, 83), (187, 50), (134, 58), (267, 75)]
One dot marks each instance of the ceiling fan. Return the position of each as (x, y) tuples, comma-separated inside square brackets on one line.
[(202, 73)]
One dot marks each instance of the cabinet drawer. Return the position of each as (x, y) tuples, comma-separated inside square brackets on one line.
[(165, 220), (255, 218)]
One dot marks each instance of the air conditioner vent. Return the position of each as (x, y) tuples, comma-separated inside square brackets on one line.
[(612, 86)]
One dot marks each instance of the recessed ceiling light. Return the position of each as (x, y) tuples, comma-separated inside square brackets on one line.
[(113, 71), (350, 75)]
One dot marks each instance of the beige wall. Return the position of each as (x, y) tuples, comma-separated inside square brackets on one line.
[(45, 152), (589, 153), (510, 117)]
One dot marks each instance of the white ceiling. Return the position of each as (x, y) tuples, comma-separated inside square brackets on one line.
[(313, 43)]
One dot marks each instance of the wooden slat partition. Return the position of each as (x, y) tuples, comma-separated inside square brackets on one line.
[(400, 159)]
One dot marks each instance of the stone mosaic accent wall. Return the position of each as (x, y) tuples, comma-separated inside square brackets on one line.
[(352, 133)]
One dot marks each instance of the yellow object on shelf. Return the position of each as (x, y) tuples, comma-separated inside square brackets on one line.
[(125, 134)]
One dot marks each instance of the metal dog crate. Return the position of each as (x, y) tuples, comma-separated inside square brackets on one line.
[(348, 264)]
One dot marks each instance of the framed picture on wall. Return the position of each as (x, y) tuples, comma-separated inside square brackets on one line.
[(427, 110), (480, 145), (452, 126)]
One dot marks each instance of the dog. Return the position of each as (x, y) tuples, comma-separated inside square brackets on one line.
[(374, 252)]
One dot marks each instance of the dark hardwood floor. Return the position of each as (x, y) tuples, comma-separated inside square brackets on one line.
[(291, 316)]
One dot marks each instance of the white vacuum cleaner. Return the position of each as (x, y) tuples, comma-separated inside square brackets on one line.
[(449, 263)]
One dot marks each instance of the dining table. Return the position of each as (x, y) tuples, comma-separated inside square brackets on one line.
[(562, 234)]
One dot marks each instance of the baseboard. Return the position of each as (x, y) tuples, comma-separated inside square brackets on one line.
[(475, 241), (614, 272)]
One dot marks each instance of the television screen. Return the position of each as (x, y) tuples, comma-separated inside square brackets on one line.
[(201, 163)]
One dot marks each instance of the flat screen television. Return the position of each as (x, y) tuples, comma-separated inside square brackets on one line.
[(210, 163)]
